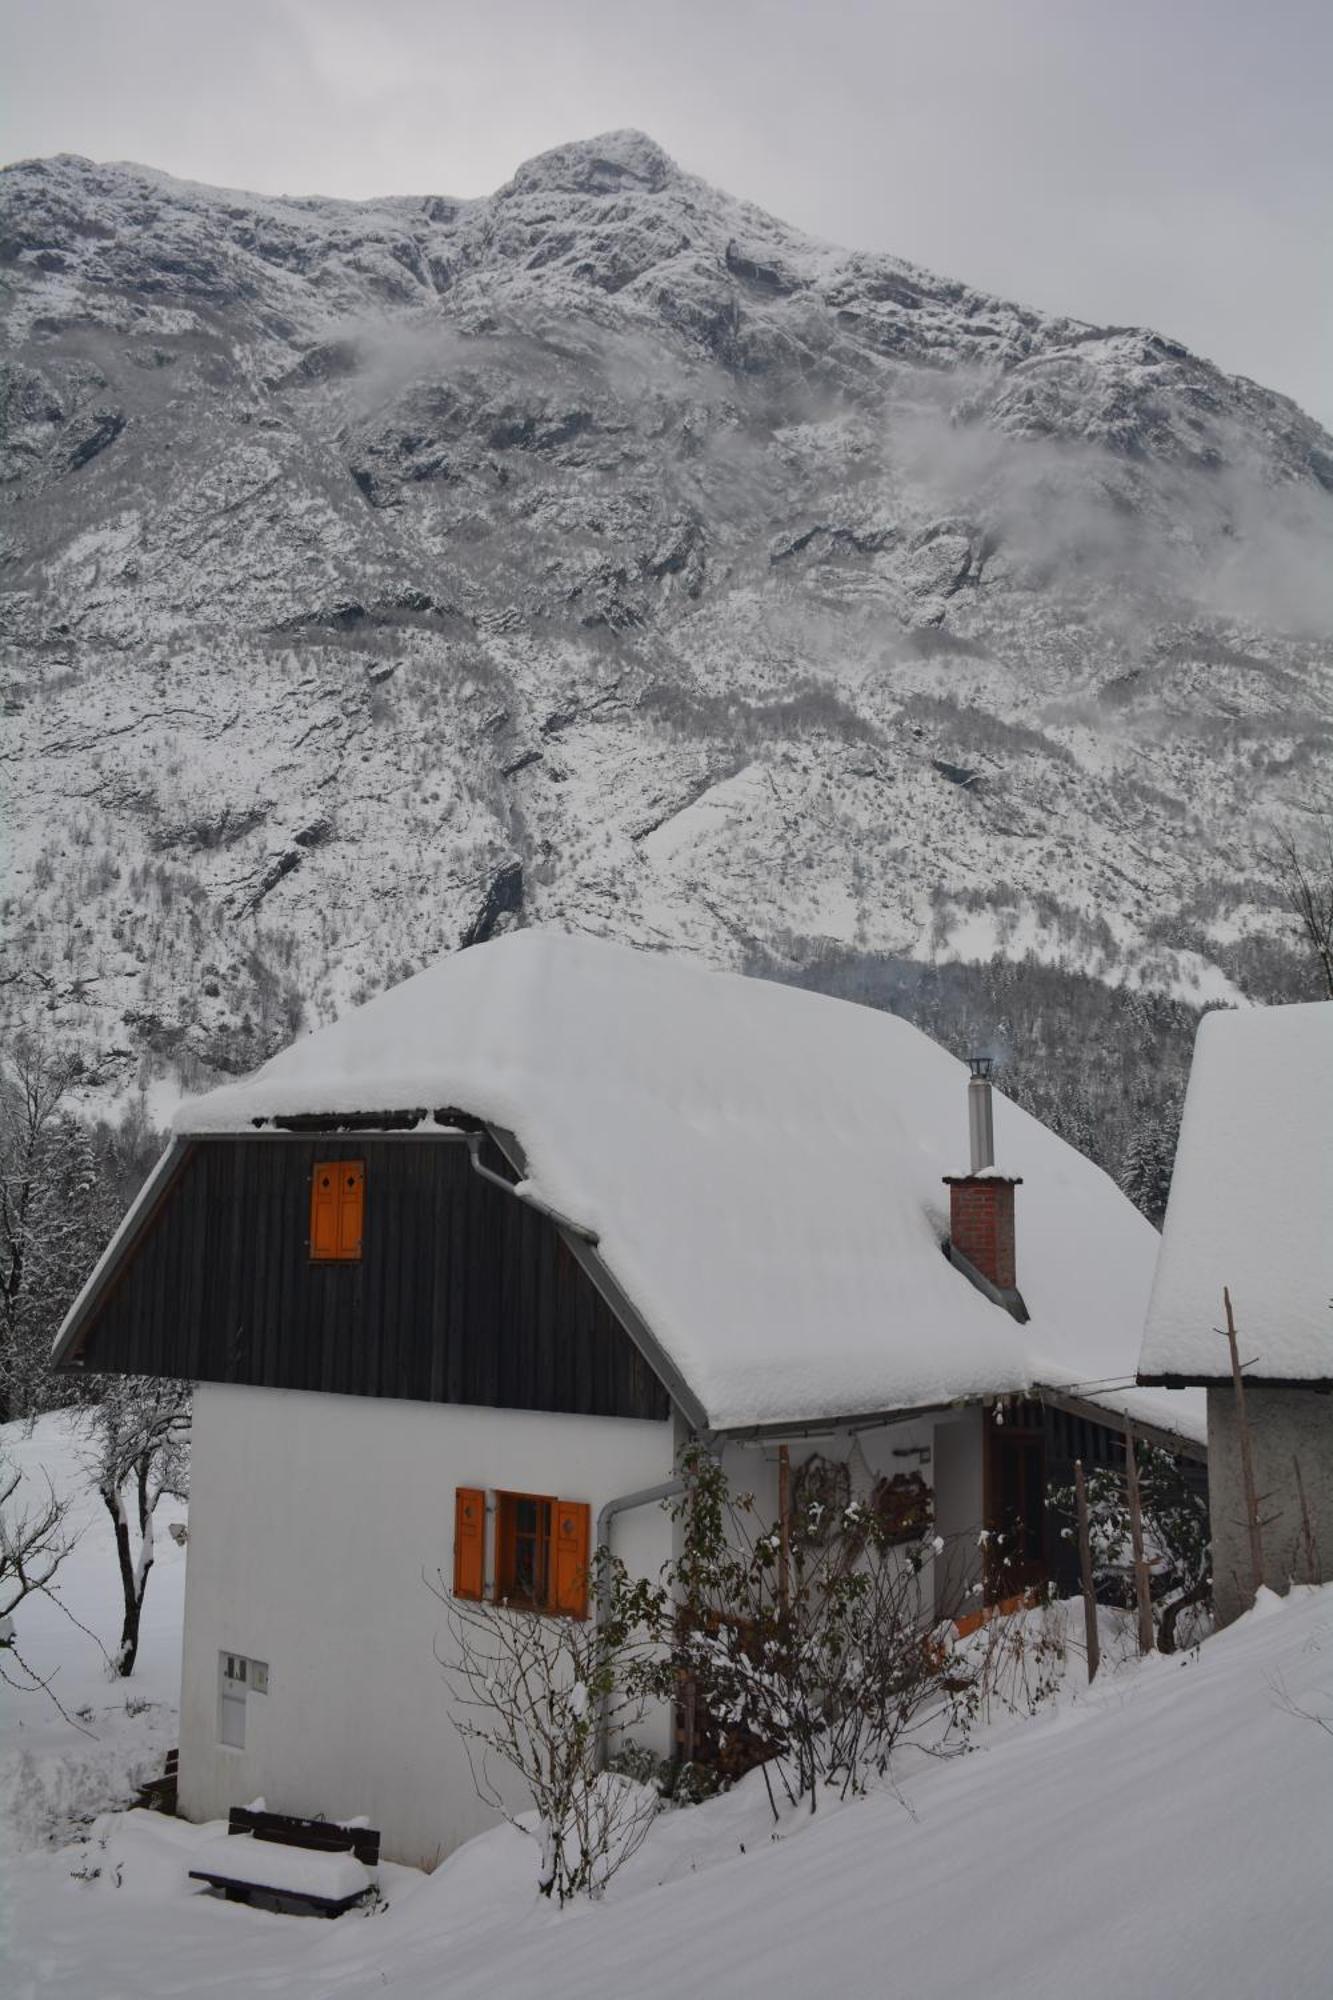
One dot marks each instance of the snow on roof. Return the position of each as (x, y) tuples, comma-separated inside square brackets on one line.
[(1251, 1202), (762, 1167)]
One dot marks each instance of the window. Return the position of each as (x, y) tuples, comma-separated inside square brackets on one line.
[(237, 1678), (337, 1207), (541, 1550), (523, 1550)]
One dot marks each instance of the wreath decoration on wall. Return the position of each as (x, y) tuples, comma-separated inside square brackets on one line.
[(903, 1507), (821, 1491)]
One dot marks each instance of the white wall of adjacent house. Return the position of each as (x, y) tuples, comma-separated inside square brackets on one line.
[(1290, 1428), (309, 1673)]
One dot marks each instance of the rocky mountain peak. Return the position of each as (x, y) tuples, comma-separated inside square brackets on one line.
[(607, 165)]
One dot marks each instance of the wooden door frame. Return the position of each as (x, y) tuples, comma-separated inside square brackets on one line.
[(998, 1581)]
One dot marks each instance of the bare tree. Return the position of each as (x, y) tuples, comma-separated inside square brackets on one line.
[(34, 1541), (139, 1430), (35, 1538), (1305, 879), (529, 1691)]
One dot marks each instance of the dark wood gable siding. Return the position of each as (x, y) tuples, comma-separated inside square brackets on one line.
[(462, 1295)]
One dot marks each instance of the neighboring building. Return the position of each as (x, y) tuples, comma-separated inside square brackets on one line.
[(1251, 1210), (457, 1276)]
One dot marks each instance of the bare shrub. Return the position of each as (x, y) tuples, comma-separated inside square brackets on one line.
[(533, 1694)]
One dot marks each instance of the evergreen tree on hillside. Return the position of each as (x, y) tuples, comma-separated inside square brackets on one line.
[(58, 1205), (1145, 1171)]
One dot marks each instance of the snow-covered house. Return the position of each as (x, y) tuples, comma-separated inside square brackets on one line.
[(1251, 1210), (457, 1276)]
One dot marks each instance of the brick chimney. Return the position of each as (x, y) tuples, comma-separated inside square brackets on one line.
[(981, 1202), (981, 1225)]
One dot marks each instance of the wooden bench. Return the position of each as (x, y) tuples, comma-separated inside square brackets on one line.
[(159, 1794), (295, 1869)]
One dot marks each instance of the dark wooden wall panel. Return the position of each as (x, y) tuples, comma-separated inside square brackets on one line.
[(463, 1294), (1067, 1438)]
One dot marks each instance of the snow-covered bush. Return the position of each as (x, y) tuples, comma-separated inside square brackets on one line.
[(677, 1782), (1175, 1537), (815, 1660)]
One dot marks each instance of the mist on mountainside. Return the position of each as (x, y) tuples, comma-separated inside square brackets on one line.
[(606, 554)]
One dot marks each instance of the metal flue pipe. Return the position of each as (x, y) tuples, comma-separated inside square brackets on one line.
[(980, 1115)]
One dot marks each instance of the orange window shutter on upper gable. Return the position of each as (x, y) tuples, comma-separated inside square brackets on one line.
[(324, 1209), (469, 1542), (570, 1557), (337, 1209), (351, 1206)]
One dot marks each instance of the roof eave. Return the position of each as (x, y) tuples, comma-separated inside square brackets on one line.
[(829, 1424), (1163, 1435), (137, 1220), (1318, 1384), (583, 1245), (1061, 1399)]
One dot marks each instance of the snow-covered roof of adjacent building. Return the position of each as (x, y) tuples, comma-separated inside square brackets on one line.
[(1251, 1204), (763, 1170)]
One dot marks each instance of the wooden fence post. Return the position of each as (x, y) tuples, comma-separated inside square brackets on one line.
[(1142, 1588), (784, 1528), (1085, 1570), (1246, 1453)]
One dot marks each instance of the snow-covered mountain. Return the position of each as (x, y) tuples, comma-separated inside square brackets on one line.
[(605, 552)]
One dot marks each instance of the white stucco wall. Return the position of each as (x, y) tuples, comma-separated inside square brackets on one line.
[(904, 1447), (312, 1518), (959, 1509), (1287, 1427)]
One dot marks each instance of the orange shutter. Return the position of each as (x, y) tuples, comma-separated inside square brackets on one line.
[(469, 1542), (337, 1208), (569, 1581), (351, 1206), (324, 1209)]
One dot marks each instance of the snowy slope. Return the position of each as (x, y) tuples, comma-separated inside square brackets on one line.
[(608, 552), (763, 1168), (1170, 1823), (1251, 1202)]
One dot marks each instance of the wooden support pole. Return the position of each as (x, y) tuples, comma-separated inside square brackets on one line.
[(1085, 1571), (1246, 1452), (784, 1528), (1142, 1587), (1307, 1527)]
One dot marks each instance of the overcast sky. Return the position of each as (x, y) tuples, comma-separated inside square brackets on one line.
[(1163, 162)]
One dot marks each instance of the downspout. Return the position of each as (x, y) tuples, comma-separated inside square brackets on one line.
[(668, 1489), (529, 1200)]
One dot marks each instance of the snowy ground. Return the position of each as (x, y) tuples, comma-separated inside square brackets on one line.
[(59, 1771), (1167, 1832)]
